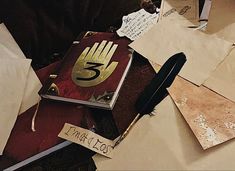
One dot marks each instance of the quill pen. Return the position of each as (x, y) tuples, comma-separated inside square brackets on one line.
[(156, 90)]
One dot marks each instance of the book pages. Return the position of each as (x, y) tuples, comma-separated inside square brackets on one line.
[(10, 49), (13, 77), (164, 142)]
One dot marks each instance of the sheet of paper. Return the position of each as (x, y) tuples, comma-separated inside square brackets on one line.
[(222, 24), (165, 142), (180, 10), (13, 76), (9, 48), (209, 115), (166, 38), (137, 23), (222, 80), (221, 19), (87, 139)]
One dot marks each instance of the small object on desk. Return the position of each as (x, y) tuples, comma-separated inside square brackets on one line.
[(148, 6), (156, 90)]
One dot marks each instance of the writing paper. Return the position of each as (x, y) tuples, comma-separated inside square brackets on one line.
[(136, 23), (181, 11), (222, 24), (203, 52), (9, 48), (210, 116), (164, 142), (221, 19), (13, 76), (87, 139)]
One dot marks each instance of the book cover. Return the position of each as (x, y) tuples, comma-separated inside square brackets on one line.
[(92, 71), (25, 146)]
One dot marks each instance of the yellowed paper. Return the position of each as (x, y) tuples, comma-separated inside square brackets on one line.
[(222, 24), (210, 116), (87, 139), (165, 142), (9, 48), (203, 52), (137, 23), (13, 76), (180, 11), (222, 80), (221, 19)]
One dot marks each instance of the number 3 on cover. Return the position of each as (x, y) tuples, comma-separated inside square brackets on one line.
[(91, 67)]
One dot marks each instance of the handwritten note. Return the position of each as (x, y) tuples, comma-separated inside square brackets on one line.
[(135, 24), (180, 10), (87, 139)]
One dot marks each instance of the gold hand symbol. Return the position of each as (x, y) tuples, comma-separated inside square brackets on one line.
[(91, 67)]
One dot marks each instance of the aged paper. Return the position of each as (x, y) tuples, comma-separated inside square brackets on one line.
[(222, 24), (13, 76), (221, 19), (166, 38), (10, 49), (165, 142), (180, 10), (137, 23), (222, 80), (87, 139), (210, 116)]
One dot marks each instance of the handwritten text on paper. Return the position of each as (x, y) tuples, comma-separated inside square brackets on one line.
[(87, 139), (134, 24)]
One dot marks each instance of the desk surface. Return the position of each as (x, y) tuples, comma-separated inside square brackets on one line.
[(44, 44)]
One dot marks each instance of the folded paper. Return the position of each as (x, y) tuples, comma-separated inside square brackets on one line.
[(10, 49), (203, 52), (13, 76), (164, 142)]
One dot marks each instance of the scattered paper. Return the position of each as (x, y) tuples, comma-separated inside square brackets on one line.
[(222, 24), (87, 139), (164, 142), (209, 115), (203, 52), (13, 76), (9, 48), (221, 19), (181, 11), (137, 23)]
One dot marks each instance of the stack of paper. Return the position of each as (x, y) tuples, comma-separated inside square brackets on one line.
[(10, 49), (204, 95), (19, 84)]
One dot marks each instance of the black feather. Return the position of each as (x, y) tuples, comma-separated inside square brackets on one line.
[(156, 90)]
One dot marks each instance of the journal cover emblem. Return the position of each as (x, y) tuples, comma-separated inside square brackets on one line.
[(93, 65)]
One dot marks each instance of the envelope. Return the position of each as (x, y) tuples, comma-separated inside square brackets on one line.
[(165, 142), (9, 48), (203, 52), (13, 77)]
